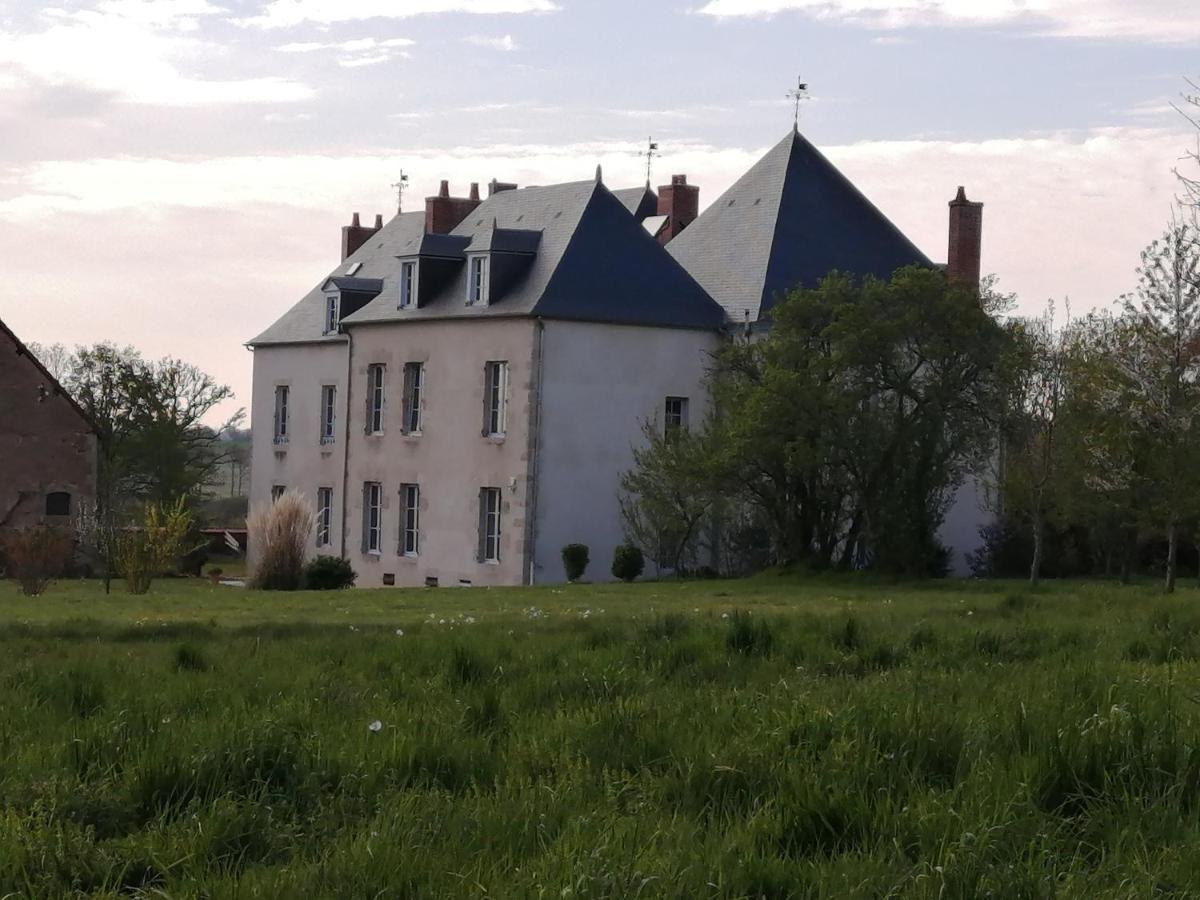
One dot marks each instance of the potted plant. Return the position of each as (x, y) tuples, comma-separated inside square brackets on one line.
[(215, 573)]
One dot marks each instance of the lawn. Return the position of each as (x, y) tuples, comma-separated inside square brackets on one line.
[(775, 737)]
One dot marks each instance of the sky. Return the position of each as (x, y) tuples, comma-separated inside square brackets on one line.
[(174, 174)]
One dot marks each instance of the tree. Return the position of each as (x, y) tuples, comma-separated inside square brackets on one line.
[(155, 445), (1189, 177), (852, 422), (1155, 382), (667, 497), (1037, 464)]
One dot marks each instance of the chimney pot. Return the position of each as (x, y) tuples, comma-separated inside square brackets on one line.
[(356, 234), (680, 203), (443, 212), (963, 263)]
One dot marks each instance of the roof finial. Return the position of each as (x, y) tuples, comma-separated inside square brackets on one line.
[(599, 175), (651, 152), (799, 94), (399, 187)]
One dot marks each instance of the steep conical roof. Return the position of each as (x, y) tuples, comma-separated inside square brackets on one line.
[(789, 221)]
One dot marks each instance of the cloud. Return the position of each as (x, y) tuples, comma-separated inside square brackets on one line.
[(137, 52), (505, 42), (1170, 21), (286, 13), (357, 52), (1065, 216)]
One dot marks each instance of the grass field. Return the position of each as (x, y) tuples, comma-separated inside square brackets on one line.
[(767, 738)]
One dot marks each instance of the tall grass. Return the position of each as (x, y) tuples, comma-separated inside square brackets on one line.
[(278, 532), (690, 741)]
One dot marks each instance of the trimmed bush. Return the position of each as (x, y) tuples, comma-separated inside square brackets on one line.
[(33, 557), (628, 562), (575, 560), (328, 573), (279, 532)]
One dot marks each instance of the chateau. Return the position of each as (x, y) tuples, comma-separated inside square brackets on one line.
[(460, 394)]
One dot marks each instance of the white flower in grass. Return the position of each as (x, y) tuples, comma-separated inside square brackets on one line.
[(470, 620), (399, 632), (724, 615), (375, 726)]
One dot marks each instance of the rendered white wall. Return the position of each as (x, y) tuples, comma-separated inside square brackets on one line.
[(303, 463), (599, 383), (451, 459)]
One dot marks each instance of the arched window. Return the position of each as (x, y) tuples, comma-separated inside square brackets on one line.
[(58, 503)]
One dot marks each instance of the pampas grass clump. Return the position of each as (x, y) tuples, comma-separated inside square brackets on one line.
[(279, 532)]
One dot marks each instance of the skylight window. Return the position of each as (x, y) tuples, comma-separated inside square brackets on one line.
[(354, 267)]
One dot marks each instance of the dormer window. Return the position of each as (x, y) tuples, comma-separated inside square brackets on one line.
[(331, 313), (477, 281), (408, 285)]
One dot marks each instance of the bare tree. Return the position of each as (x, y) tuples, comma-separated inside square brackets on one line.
[(1157, 379), (1189, 174)]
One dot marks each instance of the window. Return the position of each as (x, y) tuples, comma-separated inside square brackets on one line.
[(324, 516), (58, 503), (414, 386), (328, 413), (410, 518), (372, 517), (495, 388), (281, 413), (375, 398), (331, 313), (677, 414), (477, 281), (489, 524), (277, 491), (408, 285)]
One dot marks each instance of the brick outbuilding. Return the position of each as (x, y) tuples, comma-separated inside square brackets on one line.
[(48, 445)]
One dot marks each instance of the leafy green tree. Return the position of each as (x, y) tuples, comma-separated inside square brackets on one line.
[(668, 497), (852, 422), (1039, 470), (155, 445)]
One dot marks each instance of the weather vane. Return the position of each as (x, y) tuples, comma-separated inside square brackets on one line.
[(651, 152), (399, 187), (798, 95)]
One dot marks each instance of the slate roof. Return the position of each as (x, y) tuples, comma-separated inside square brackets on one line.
[(52, 383), (789, 221), (593, 261), (641, 201)]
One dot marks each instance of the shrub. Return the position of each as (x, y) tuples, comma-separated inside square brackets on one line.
[(150, 549), (575, 560), (628, 562), (36, 556), (328, 573), (279, 532)]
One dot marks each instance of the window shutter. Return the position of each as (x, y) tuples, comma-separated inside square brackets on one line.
[(406, 400), (370, 393), (366, 515), (487, 395), (481, 553)]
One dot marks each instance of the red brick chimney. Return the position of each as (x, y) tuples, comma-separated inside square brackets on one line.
[(966, 240), (355, 235), (443, 212), (680, 203)]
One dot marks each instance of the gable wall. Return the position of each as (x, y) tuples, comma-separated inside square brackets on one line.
[(45, 445), (599, 383)]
